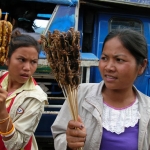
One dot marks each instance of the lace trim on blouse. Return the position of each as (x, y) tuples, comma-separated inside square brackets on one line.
[(116, 121)]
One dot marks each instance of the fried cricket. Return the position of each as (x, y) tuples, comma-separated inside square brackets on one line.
[(5, 36), (63, 55)]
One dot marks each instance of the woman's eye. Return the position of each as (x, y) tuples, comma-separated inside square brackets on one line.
[(120, 60), (21, 59), (103, 58), (34, 62)]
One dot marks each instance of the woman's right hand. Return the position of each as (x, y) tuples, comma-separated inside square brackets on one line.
[(75, 134), (3, 96)]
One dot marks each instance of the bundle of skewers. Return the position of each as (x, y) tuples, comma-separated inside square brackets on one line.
[(5, 37), (62, 50)]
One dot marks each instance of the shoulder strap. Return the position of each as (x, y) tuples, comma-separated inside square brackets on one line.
[(2, 77), (35, 83)]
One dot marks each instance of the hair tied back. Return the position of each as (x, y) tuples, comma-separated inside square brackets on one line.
[(15, 34)]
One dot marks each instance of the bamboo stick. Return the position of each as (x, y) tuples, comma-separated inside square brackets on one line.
[(0, 14), (62, 51), (6, 16)]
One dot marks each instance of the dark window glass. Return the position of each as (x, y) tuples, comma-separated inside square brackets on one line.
[(122, 23)]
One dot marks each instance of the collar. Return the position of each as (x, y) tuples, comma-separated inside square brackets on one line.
[(94, 100), (29, 85)]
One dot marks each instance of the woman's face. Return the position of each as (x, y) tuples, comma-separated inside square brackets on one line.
[(117, 66), (22, 64)]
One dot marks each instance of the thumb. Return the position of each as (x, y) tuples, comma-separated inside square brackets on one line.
[(80, 120)]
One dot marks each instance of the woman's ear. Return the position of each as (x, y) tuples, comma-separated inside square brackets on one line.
[(142, 67), (7, 62)]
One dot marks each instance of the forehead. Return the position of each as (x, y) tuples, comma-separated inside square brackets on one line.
[(26, 51), (115, 47), (115, 41)]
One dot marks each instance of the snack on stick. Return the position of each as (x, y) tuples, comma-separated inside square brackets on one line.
[(63, 55), (5, 36)]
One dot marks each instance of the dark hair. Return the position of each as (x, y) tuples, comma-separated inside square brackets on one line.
[(21, 40), (132, 41), (25, 19)]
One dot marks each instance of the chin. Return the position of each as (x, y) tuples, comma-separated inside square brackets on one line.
[(23, 81), (111, 87)]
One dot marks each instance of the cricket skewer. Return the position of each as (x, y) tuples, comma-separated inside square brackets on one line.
[(5, 37), (63, 55)]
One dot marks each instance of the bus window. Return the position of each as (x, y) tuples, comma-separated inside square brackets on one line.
[(122, 23)]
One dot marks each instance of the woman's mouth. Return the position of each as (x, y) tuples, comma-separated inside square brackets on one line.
[(110, 78), (25, 76)]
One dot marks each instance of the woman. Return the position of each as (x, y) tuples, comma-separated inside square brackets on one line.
[(24, 22), (24, 18), (113, 113), (21, 99)]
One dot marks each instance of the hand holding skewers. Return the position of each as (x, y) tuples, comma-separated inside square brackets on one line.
[(75, 134)]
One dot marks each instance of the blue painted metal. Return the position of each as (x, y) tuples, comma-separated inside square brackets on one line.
[(84, 56), (144, 2), (65, 2), (44, 15), (80, 28), (42, 55), (88, 56), (64, 19), (43, 128)]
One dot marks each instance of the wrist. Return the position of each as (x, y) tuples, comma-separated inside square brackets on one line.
[(3, 113)]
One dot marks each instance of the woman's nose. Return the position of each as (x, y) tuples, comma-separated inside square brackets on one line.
[(110, 66), (26, 66)]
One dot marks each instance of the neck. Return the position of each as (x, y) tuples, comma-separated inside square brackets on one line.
[(13, 85), (119, 98)]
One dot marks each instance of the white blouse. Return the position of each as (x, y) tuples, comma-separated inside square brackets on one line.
[(116, 120)]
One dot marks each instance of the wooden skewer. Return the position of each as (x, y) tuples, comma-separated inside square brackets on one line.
[(69, 90), (63, 90), (0, 14), (72, 100), (13, 22), (6, 16)]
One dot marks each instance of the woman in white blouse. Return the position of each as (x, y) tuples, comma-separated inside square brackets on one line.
[(113, 113)]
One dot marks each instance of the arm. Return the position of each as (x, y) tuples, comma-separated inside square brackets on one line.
[(25, 124), (61, 126)]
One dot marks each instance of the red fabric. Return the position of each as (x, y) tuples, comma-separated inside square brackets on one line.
[(34, 81), (2, 77), (2, 146)]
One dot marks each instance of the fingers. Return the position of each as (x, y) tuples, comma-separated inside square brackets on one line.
[(75, 131), (75, 142), (75, 145), (3, 95), (75, 124), (79, 119), (2, 90), (76, 134)]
